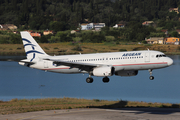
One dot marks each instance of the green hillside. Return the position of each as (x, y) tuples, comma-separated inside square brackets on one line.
[(63, 15)]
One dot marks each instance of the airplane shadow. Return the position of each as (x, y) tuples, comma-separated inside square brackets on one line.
[(121, 105)]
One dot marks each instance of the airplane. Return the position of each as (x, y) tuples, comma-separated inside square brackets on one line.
[(99, 64)]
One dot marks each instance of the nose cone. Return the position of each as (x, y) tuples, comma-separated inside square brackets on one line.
[(169, 61)]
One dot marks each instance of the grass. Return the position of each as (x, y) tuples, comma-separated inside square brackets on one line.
[(24, 105), (66, 48)]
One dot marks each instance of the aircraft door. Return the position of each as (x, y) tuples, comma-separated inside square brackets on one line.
[(147, 57)]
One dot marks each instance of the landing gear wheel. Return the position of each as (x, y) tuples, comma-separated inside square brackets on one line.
[(151, 77), (89, 80), (105, 79)]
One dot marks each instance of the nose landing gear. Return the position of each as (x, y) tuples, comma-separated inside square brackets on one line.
[(151, 77)]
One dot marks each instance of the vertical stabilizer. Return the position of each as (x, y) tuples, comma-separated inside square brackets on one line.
[(32, 48)]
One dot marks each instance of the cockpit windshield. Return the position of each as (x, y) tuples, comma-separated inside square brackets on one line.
[(160, 55)]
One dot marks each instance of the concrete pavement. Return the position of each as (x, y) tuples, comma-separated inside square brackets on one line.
[(99, 114)]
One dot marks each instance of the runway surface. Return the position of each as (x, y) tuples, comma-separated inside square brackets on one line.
[(99, 114)]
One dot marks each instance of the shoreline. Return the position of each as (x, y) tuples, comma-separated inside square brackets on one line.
[(67, 48), (30, 105)]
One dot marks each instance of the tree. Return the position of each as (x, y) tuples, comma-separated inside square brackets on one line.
[(169, 26), (57, 26), (174, 34)]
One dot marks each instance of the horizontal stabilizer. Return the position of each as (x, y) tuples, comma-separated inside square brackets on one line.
[(26, 62)]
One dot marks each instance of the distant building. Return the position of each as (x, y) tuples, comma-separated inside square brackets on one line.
[(148, 23), (34, 34), (8, 27), (174, 9), (119, 26), (98, 26), (16, 32), (178, 31), (165, 31), (89, 26), (75, 31), (47, 32), (155, 40), (172, 40), (86, 26)]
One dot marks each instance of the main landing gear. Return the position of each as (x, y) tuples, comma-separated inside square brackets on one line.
[(90, 79), (151, 77), (105, 79)]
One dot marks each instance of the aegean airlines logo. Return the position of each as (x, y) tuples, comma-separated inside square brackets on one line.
[(30, 44), (131, 54), (32, 50)]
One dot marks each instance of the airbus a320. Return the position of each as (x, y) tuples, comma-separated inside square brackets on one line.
[(99, 64)]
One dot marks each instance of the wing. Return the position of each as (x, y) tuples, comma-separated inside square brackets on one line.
[(81, 66)]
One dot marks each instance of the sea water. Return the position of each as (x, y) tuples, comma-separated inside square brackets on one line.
[(21, 82)]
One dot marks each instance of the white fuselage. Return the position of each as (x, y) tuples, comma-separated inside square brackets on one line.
[(121, 61), (100, 64)]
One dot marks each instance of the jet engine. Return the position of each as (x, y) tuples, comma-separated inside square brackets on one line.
[(103, 71), (127, 73)]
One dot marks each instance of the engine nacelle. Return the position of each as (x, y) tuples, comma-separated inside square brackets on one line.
[(103, 71), (127, 73)]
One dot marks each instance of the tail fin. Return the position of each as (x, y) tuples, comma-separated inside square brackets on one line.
[(32, 49)]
